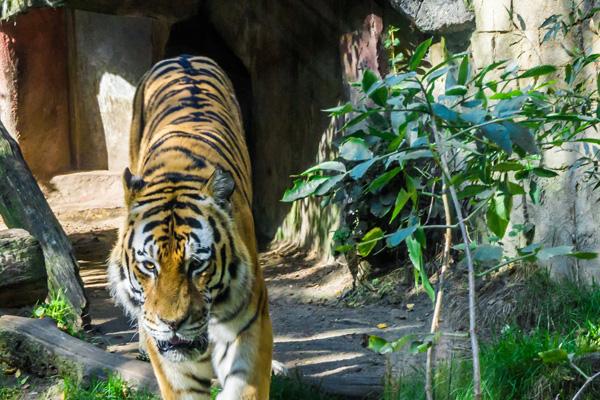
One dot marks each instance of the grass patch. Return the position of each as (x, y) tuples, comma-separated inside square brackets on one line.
[(115, 388), (112, 388), (9, 393), (552, 316), (58, 308)]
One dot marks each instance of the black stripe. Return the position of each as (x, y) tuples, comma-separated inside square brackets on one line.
[(232, 268), (259, 306), (177, 177), (237, 371), (216, 233), (204, 382), (225, 352), (222, 297)]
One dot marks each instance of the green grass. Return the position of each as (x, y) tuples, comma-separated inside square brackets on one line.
[(9, 393), (57, 308), (551, 316), (112, 388), (115, 388)]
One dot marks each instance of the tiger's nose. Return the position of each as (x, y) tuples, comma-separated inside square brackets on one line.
[(173, 324)]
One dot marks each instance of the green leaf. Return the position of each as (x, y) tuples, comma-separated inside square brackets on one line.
[(379, 96), (509, 107), (326, 166), (499, 135), (532, 248), (471, 190), (584, 255), (514, 188), (498, 214), (302, 188), (383, 180), (343, 248), (487, 252), (554, 356), (372, 237), (547, 253), (538, 71), (475, 117), (355, 149), (415, 254), (369, 78), (419, 54), (535, 192), (339, 110), (543, 172), (508, 166), (329, 184), (463, 71), (376, 343), (456, 90), (521, 136), (401, 200), (444, 112), (410, 155), (400, 235), (360, 169)]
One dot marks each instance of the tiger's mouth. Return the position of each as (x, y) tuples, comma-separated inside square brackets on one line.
[(179, 344)]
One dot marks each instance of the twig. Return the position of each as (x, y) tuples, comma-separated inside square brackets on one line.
[(587, 383), (435, 319), (463, 230)]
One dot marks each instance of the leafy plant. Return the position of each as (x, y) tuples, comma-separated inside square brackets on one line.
[(529, 358), (388, 174), (418, 137), (111, 388), (58, 308)]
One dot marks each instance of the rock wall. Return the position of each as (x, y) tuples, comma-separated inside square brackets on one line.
[(566, 215), (292, 52), (33, 80)]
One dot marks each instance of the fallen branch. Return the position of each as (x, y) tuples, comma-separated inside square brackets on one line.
[(435, 319), (587, 383)]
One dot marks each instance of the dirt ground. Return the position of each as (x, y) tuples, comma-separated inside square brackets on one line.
[(315, 333)]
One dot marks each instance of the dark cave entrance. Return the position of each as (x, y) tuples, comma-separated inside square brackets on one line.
[(197, 36)]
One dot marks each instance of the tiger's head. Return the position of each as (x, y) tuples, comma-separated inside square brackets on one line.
[(174, 259)]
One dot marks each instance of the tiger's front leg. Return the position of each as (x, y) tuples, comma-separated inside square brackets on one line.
[(243, 365)]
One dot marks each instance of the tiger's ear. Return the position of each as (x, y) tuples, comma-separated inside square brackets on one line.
[(132, 184), (221, 185)]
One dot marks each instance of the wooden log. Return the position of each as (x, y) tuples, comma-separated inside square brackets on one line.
[(37, 346), (23, 278), (22, 205)]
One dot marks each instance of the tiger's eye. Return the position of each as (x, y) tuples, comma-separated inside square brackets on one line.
[(149, 266)]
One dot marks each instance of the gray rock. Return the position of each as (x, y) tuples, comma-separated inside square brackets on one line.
[(437, 16)]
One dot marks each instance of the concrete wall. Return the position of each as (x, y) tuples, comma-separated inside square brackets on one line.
[(108, 55)]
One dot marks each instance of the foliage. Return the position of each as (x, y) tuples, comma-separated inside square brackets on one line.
[(493, 125), (115, 388), (9, 393), (112, 388), (525, 360), (58, 308)]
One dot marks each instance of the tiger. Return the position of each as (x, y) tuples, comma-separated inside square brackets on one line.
[(185, 263)]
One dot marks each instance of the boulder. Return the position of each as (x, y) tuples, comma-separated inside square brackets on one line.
[(23, 278)]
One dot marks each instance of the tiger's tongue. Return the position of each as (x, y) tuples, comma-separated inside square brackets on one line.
[(175, 340)]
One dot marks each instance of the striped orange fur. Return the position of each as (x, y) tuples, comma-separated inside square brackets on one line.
[(185, 264)]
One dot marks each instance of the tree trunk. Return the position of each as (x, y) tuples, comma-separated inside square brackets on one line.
[(23, 278), (22, 205)]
